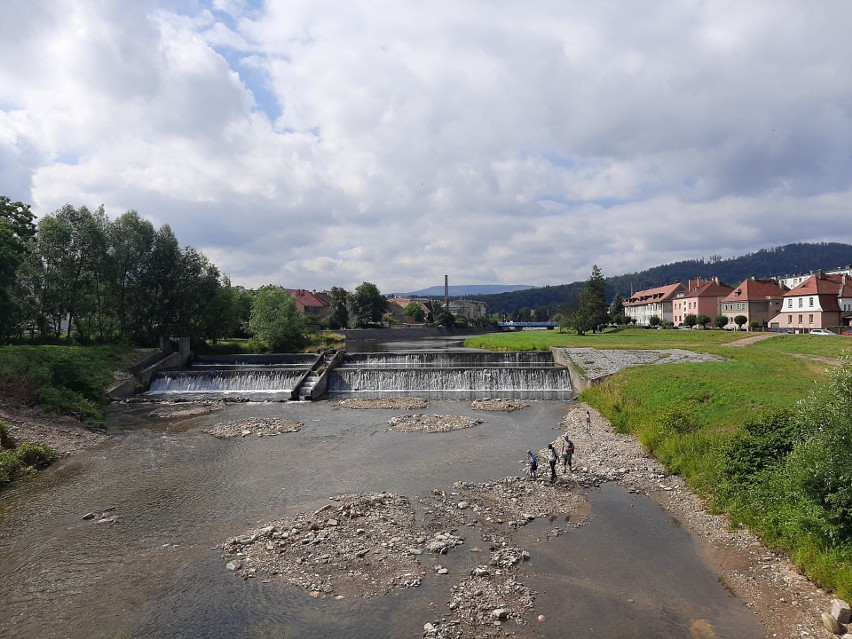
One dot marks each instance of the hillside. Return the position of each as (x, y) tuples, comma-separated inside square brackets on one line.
[(777, 261)]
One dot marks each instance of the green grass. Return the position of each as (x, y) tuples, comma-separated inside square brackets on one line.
[(71, 380), (629, 338), (688, 415)]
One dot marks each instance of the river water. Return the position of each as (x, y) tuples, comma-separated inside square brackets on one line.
[(178, 494)]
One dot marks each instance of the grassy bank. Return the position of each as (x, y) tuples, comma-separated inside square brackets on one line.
[(61, 379), (764, 433)]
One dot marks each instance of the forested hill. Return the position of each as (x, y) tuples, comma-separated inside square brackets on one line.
[(782, 260)]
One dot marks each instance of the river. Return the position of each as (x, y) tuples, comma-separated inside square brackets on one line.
[(177, 494)]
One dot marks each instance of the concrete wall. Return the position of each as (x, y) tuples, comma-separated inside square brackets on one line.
[(578, 381), (410, 332)]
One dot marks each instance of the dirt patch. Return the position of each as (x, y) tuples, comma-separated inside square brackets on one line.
[(395, 403), (257, 426), (746, 341), (431, 423), (65, 435)]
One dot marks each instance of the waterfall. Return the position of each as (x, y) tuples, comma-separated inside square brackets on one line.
[(237, 383), (444, 375)]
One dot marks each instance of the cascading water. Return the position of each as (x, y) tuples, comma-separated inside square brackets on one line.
[(244, 377), (238, 384), (442, 375)]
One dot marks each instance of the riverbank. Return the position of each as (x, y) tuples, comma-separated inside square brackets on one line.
[(786, 603)]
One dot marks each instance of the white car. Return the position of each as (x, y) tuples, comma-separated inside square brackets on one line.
[(821, 331)]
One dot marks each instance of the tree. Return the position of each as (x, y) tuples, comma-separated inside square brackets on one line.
[(702, 320), (16, 233), (722, 321), (654, 320), (368, 305), (414, 310), (690, 320), (338, 316), (444, 318), (740, 321), (277, 320), (592, 307), (616, 307), (754, 325)]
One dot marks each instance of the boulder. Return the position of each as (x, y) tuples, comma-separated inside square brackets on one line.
[(830, 623), (840, 611)]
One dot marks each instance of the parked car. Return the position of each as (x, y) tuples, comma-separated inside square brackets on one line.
[(821, 331), (849, 333)]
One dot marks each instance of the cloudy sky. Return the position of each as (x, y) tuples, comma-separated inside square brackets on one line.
[(324, 143)]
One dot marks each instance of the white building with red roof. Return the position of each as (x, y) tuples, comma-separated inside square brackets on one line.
[(824, 300), (308, 302), (643, 305)]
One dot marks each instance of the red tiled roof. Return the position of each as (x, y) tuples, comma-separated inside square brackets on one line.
[(825, 284), (306, 298), (754, 289), (659, 294), (711, 289)]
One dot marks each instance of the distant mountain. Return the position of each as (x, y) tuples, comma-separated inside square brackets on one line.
[(790, 259), (466, 289)]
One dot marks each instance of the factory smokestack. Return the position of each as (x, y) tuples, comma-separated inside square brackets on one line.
[(446, 292)]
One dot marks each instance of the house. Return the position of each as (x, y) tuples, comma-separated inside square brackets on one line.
[(643, 305), (704, 297), (308, 302), (758, 300), (470, 309), (824, 300)]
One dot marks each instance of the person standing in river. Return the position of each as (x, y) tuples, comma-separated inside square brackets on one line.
[(567, 453), (551, 459)]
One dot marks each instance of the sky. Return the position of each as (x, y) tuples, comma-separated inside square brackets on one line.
[(324, 143)]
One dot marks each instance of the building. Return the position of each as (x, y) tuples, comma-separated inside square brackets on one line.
[(758, 300), (704, 297), (643, 305), (470, 309), (824, 300), (308, 302)]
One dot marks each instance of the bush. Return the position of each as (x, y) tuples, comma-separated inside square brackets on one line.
[(38, 455), (14, 463), (5, 442)]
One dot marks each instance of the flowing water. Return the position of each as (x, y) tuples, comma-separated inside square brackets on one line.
[(178, 494)]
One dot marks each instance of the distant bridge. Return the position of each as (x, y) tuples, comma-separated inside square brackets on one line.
[(519, 326)]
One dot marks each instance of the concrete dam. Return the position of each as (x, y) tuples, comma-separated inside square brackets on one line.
[(428, 374)]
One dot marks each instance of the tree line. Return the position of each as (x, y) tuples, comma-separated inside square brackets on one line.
[(77, 274)]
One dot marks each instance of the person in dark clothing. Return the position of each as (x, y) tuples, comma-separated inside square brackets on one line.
[(567, 453), (551, 459)]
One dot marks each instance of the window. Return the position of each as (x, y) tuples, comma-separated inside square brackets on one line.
[(790, 318), (810, 301), (790, 303), (810, 319), (800, 302), (800, 319)]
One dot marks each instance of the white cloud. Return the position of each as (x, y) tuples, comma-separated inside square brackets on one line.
[(315, 144)]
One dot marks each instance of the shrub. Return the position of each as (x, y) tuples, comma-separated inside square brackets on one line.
[(5, 442), (9, 466), (38, 455)]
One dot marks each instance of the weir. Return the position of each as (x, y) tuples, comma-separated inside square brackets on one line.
[(446, 375), (429, 374), (262, 378)]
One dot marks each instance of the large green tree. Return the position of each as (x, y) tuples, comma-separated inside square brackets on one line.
[(16, 234), (368, 305), (592, 307), (338, 316), (277, 320)]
